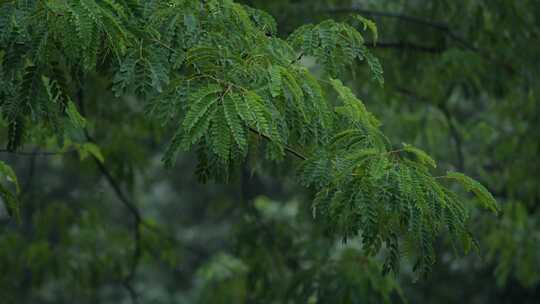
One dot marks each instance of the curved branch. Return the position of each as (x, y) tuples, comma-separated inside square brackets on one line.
[(135, 213), (443, 27), (130, 206), (344, 10)]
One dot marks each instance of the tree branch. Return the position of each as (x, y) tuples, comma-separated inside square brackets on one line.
[(372, 13), (35, 153), (443, 27), (130, 206), (404, 45), (135, 213), (115, 185), (288, 149), (131, 291), (30, 176)]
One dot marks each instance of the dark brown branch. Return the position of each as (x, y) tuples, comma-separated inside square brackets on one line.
[(288, 149)]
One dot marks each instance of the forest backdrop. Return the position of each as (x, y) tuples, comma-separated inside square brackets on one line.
[(322, 151)]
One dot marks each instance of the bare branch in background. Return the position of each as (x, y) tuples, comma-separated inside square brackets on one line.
[(404, 45), (443, 27)]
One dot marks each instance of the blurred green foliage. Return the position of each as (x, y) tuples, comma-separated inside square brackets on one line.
[(102, 221)]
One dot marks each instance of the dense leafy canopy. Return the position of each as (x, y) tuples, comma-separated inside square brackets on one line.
[(123, 83)]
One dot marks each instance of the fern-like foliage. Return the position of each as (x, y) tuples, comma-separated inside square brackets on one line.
[(365, 187), (484, 196), (216, 75), (337, 45)]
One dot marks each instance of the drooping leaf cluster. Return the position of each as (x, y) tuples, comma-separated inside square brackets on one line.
[(215, 75), (336, 45), (364, 186)]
